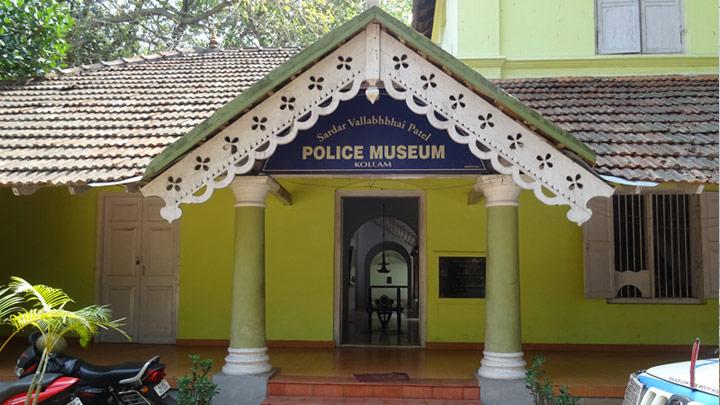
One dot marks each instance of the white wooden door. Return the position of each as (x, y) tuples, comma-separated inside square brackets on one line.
[(139, 269)]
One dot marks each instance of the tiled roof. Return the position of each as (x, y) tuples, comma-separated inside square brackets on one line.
[(655, 128), (105, 122)]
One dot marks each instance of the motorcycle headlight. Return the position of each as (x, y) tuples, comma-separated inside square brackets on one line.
[(18, 371)]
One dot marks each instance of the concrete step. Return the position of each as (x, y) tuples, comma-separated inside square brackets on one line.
[(317, 388), (280, 400)]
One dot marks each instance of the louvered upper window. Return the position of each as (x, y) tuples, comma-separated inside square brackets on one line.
[(639, 26)]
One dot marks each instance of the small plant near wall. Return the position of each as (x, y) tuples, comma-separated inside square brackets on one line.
[(541, 386), (197, 388), (42, 308)]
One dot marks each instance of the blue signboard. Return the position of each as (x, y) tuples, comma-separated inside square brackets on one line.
[(381, 138)]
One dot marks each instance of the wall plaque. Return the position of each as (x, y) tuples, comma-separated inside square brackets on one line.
[(462, 277)]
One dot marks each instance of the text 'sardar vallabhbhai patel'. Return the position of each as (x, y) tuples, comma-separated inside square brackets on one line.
[(373, 152)]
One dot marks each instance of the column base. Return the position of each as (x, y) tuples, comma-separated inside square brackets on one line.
[(503, 392), (502, 366), (241, 389), (247, 361)]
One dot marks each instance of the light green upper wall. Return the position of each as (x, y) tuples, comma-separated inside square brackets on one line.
[(516, 38), (50, 237)]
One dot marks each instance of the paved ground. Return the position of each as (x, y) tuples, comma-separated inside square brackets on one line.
[(592, 374)]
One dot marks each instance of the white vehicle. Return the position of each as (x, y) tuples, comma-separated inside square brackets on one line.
[(693, 382)]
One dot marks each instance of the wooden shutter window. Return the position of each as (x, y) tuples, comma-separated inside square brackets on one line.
[(662, 26), (709, 236), (598, 257), (618, 26)]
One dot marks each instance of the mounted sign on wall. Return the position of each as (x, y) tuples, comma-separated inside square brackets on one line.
[(364, 138)]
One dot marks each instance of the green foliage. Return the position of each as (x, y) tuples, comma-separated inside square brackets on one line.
[(32, 37), (109, 29), (197, 388), (44, 311), (38, 35), (541, 386)]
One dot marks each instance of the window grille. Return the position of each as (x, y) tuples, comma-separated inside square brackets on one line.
[(652, 233), (629, 228), (671, 233)]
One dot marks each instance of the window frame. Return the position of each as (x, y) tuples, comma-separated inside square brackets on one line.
[(642, 32), (696, 270)]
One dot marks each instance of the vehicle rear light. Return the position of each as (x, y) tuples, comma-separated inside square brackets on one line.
[(155, 376)]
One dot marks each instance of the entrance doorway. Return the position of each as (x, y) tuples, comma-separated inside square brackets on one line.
[(380, 270), (139, 268)]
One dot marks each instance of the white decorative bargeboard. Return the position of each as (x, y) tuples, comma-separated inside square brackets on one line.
[(375, 58)]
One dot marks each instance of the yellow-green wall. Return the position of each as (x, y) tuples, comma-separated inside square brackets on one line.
[(511, 38), (50, 237)]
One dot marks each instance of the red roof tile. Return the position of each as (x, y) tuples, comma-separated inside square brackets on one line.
[(107, 121)]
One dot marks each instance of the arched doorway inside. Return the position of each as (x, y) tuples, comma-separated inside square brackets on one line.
[(380, 271)]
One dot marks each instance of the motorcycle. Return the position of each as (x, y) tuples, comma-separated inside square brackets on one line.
[(89, 384)]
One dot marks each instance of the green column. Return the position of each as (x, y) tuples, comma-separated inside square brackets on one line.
[(247, 353), (502, 356), (502, 283), (248, 300)]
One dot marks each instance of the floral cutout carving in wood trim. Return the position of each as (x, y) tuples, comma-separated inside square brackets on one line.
[(316, 83), (287, 103), (575, 182), (486, 121), (202, 163), (231, 144), (344, 62), (400, 62), (457, 101), (174, 183), (258, 123), (428, 81), (515, 142), (544, 161)]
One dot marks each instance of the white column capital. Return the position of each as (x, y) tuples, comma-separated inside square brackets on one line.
[(250, 191), (498, 190)]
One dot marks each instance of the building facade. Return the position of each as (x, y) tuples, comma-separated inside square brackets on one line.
[(376, 190)]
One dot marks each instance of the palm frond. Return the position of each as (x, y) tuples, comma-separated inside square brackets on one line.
[(47, 297), (45, 320), (9, 303)]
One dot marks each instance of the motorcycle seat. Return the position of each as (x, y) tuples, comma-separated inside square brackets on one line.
[(11, 388), (96, 375)]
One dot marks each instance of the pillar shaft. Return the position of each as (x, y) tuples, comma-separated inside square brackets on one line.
[(247, 351), (248, 299), (502, 283), (502, 357)]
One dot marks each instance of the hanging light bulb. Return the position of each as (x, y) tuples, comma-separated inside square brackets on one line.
[(383, 262)]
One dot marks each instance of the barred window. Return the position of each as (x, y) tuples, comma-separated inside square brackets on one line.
[(652, 246)]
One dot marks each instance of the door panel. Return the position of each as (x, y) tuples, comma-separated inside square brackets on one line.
[(122, 229), (159, 250), (122, 209), (158, 314), (122, 255), (123, 301), (140, 263)]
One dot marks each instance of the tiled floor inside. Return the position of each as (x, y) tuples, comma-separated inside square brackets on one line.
[(587, 373)]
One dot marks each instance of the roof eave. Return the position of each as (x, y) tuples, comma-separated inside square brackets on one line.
[(332, 40)]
